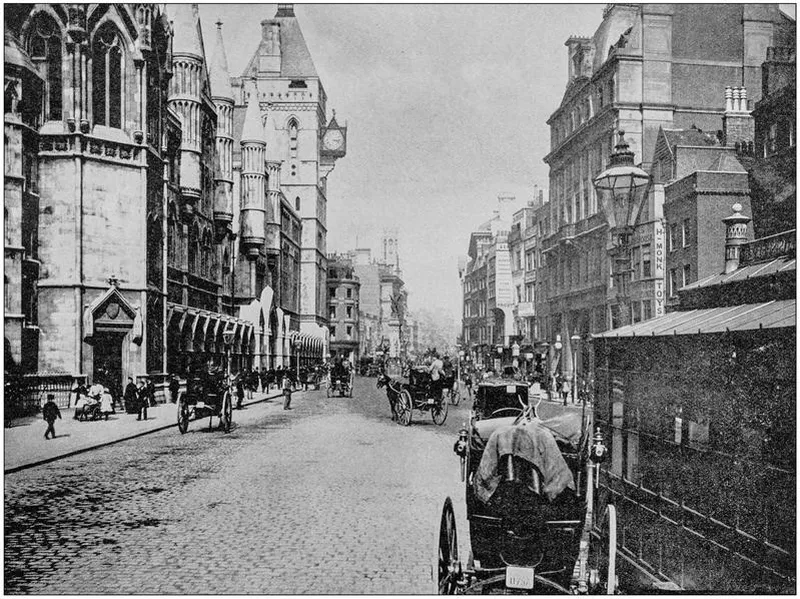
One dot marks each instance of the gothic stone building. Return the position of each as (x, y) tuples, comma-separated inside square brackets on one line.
[(140, 221)]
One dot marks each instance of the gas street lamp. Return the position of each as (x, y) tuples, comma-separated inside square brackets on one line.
[(575, 339), (515, 354), (228, 335), (621, 190)]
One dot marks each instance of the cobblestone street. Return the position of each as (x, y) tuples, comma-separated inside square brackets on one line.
[(331, 497)]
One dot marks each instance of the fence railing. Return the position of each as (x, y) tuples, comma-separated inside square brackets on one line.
[(25, 394)]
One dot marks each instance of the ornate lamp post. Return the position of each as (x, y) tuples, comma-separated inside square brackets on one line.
[(558, 346), (621, 190), (227, 337), (575, 340)]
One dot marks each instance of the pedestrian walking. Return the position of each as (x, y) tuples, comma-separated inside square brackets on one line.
[(239, 391), (50, 412), (151, 392), (286, 384), (141, 406), (130, 398), (174, 388), (565, 389)]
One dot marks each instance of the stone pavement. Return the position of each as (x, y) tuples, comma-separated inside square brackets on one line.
[(331, 497), (25, 445)]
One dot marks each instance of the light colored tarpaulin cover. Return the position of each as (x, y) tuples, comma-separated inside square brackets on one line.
[(532, 442)]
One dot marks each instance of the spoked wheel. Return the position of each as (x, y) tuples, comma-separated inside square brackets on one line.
[(455, 395), (183, 415), (404, 407), (439, 411), (445, 567), (226, 415)]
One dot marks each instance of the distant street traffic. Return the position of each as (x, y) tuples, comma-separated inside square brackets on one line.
[(330, 497)]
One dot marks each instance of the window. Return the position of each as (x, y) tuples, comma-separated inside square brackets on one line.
[(107, 77), (332, 313), (297, 203), (349, 311), (647, 310), (332, 292), (636, 314), (45, 50), (673, 237), (333, 333), (529, 261), (685, 232), (647, 268), (349, 294), (637, 263), (673, 282), (293, 127), (687, 273), (349, 331)]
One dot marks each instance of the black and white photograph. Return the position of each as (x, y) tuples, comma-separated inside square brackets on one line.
[(400, 299)]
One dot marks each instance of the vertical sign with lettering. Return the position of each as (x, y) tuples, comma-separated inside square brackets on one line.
[(659, 256)]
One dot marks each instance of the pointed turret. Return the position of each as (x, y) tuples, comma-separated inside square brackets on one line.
[(218, 69), (222, 95), (186, 29)]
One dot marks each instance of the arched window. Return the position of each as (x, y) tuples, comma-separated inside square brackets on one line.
[(193, 249), (107, 57), (293, 138), (44, 46), (297, 203)]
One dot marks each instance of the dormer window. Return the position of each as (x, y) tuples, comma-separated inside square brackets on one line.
[(297, 84)]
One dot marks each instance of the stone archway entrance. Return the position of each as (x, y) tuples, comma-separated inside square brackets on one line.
[(107, 367)]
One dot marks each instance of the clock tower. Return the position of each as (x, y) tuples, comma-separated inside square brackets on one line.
[(291, 96)]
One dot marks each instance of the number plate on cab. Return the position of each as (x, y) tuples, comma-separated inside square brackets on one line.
[(519, 578)]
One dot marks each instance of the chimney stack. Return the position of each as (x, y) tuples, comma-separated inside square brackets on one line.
[(738, 126), (735, 237)]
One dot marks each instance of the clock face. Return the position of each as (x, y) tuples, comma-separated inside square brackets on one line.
[(333, 140)]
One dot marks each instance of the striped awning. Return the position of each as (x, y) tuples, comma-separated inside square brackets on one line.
[(746, 317)]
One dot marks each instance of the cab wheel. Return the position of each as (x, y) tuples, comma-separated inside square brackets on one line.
[(404, 408), (183, 415)]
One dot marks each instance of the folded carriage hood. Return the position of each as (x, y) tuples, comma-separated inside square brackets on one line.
[(565, 426)]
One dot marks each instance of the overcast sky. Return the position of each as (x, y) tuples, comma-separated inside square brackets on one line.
[(446, 107)]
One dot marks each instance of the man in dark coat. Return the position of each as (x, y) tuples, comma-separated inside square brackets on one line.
[(50, 412), (141, 404), (174, 388), (130, 398)]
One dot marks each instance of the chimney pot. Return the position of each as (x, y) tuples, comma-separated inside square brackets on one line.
[(728, 99)]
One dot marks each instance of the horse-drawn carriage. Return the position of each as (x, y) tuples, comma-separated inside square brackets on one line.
[(340, 380), (417, 392), (206, 395), (529, 501)]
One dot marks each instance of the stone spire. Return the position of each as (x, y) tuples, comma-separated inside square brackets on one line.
[(252, 130), (186, 27), (218, 69)]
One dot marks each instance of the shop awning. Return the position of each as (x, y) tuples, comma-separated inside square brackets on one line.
[(745, 317)]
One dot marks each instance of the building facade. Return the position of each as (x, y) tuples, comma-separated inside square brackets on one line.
[(640, 71), (145, 213), (343, 308)]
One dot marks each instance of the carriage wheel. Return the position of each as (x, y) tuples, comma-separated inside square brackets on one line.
[(439, 411), (445, 567), (404, 405), (226, 415), (183, 415), (455, 394)]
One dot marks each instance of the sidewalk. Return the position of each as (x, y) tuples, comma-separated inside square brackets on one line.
[(24, 443)]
